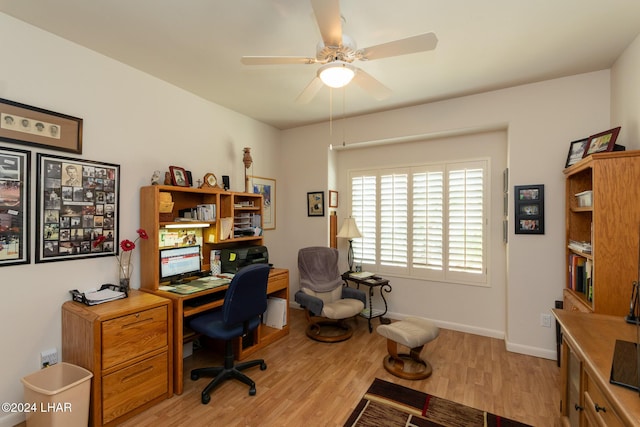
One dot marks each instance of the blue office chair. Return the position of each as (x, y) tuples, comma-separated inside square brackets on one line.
[(244, 304)]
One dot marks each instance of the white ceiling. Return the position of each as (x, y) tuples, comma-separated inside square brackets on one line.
[(483, 45)]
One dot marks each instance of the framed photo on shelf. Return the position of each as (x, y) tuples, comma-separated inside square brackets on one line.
[(267, 188), (603, 141), (24, 124), (14, 206), (77, 201), (315, 203), (333, 199), (529, 209), (179, 176), (576, 151)]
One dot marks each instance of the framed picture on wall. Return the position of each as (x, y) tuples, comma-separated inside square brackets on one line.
[(14, 206), (315, 203), (529, 209), (333, 199), (24, 124), (267, 188), (77, 201)]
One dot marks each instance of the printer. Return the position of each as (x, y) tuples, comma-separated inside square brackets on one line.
[(233, 259)]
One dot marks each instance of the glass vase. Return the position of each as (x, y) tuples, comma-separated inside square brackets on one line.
[(125, 271)]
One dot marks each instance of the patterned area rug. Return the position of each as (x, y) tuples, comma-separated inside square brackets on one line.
[(387, 404)]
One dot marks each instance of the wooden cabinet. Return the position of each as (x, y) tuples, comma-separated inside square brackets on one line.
[(610, 223), (243, 212), (126, 344), (586, 396)]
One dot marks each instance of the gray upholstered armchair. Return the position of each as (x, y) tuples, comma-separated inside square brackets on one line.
[(327, 302)]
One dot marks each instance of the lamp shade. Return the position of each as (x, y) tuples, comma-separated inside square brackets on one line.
[(336, 74), (349, 229)]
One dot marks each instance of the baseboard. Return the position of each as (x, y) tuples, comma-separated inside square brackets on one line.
[(12, 420)]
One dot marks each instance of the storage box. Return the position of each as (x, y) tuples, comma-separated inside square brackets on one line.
[(585, 199)]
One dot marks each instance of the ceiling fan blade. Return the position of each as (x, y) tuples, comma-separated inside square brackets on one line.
[(328, 17), (310, 91), (419, 43), (371, 85), (274, 60)]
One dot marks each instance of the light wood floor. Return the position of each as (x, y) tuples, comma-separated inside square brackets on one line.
[(317, 384)]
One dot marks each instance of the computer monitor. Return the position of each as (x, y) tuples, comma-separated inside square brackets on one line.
[(178, 263)]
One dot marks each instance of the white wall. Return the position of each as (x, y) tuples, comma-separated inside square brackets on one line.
[(541, 119), (130, 119), (625, 95)]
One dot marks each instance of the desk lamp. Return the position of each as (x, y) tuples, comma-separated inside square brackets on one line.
[(349, 230)]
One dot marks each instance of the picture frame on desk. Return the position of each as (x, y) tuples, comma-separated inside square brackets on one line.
[(24, 124), (15, 167), (267, 188), (576, 151), (77, 202), (179, 176), (603, 141)]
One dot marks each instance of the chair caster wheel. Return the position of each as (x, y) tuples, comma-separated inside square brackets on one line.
[(252, 391), (263, 366), (195, 377), (206, 399)]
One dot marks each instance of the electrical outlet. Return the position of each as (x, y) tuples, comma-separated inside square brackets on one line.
[(545, 320), (48, 357)]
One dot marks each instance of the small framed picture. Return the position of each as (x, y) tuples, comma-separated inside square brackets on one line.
[(529, 209), (603, 141), (179, 176), (333, 199), (576, 151), (315, 203)]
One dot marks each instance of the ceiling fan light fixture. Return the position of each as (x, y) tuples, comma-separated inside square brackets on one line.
[(336, 74)]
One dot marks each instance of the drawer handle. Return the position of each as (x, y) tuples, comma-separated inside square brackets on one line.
[(578, 407), (137, 374), (137, 322), (600, 408)]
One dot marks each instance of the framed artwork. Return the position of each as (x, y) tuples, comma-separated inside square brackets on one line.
[(179, 176), (78, 201), (24, 124), (576, 151), (333, 199), (14, 206), (267, 188), (315, 203), (529, 209), (603, 141)]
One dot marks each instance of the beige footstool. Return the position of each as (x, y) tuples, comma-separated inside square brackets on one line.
[(413, 333)]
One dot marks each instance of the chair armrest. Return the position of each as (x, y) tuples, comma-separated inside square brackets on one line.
[(353, 293), (311, 303)]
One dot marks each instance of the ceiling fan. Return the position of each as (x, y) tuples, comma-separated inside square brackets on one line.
[(337, 51)]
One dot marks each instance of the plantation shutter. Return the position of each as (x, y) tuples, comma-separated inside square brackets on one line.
[(428, 220), (466, 220), (363, 209), (394, 226)]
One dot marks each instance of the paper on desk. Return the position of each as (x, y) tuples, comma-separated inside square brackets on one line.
[(103, 295)]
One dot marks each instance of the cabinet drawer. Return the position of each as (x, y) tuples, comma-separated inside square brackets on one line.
[(277, 282), (133, 386), (130, 336), (606, 416)]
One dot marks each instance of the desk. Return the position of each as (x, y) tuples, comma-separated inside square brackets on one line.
[(588, 342), (278, 286), (372, 283)]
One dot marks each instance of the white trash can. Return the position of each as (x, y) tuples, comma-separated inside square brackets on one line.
[(58, 396)]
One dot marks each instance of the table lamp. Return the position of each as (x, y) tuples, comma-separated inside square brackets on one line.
[(349, 230)]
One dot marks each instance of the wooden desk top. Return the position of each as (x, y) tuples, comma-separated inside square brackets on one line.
[(593, 337)]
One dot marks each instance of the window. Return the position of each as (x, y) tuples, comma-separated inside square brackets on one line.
[(425, 221)]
